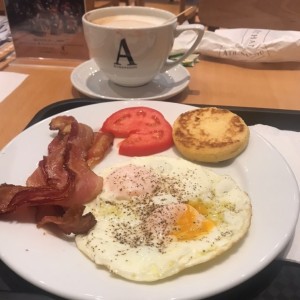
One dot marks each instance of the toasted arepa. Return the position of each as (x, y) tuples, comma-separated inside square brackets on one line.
[(210, 134)]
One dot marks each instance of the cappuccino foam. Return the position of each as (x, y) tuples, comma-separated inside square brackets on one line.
[(129, 21)]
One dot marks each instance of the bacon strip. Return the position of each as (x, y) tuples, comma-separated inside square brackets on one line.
[(13, 197), (71, 221), (7, 193), (63, 178), (51, 170), (102, 142)]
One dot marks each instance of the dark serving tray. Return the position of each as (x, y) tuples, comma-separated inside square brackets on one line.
[(280, 280), (282, 119)]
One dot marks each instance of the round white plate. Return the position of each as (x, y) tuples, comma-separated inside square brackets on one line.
[(89, 80), (54, 263)]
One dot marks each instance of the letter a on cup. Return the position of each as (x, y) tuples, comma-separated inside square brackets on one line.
[(123, 46)]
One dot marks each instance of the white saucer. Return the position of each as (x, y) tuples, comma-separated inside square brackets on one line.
[(89, 80)]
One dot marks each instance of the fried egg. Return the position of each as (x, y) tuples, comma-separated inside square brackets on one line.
[(159, 215)]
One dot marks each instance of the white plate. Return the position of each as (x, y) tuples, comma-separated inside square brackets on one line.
[(89, 80), (55, 264)]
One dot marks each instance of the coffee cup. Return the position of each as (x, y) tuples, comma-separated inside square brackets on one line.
[(131, 44)]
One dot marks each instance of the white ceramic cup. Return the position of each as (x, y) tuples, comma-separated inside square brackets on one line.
[(133, 45)]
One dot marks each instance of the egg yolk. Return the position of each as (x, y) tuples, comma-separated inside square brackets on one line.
[(190, 224), (182, 221)]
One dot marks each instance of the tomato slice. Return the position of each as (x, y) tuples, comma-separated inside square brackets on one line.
[(145, 130), (133, 119), (142, 144)]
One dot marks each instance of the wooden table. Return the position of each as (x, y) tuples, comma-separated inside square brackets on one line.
[(212, 83)]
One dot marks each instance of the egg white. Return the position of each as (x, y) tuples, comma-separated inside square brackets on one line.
[(118, 242)]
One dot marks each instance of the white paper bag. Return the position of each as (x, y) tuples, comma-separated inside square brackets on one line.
[(249, 45)]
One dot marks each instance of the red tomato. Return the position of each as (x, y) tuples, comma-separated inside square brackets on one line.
[(133, 119), (145, 129), (140, 144)]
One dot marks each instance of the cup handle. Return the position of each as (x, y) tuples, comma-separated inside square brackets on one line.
[(199, 29)]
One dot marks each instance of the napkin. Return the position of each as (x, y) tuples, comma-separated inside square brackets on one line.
[(9, 81), (288, 144), (243, 44)]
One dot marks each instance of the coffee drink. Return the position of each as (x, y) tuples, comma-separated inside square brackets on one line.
[(131, 44), (129, 21)]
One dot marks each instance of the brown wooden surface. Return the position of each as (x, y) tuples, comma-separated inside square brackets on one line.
[(2, 8), (212, 82), (269, 14)]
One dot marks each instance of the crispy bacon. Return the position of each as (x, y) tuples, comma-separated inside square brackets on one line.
[(70, 221), (7, 193), (51, 170), (63, 178), (102, 142), (13, 197)]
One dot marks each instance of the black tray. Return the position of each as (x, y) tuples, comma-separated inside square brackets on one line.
[(282, 119), (280, 280)]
